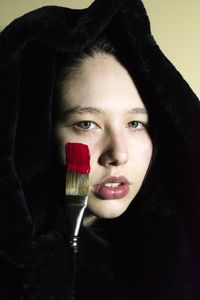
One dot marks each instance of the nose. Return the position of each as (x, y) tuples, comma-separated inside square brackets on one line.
[(115, 152)]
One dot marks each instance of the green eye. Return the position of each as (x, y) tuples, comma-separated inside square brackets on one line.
[(136, 124), (85, 125)]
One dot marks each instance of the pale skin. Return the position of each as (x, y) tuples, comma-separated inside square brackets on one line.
[(102, 108)]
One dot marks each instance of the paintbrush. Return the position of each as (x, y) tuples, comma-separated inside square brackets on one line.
[(76, 191), (77, 186)]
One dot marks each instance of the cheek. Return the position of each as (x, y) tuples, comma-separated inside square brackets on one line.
[(62, 137), (141, 153), (94, 149), (146, 151)]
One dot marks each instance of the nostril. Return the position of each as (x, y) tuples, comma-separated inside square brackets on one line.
[(114, 163), (115, 152)]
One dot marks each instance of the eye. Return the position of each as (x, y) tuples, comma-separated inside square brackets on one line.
[(136, 124), (85, 125)]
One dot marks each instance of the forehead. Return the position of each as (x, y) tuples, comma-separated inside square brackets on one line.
[(101, 81)]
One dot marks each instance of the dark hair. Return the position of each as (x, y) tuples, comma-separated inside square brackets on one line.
[(103, 46)]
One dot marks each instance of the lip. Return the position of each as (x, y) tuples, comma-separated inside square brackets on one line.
[(106, 192)]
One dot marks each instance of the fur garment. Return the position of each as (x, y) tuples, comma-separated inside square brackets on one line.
[(152, 251)]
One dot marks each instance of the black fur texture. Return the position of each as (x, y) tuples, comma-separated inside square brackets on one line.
[(152, 250)]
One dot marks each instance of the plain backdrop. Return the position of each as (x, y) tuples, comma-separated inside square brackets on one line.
[(175, 26)]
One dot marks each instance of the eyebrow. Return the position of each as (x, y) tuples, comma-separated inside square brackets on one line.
[(82, 110), (93, 110)]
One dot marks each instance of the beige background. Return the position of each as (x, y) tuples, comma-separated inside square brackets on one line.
[(175, 25)]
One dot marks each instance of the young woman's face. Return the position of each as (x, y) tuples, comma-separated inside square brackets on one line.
[(102, 108)]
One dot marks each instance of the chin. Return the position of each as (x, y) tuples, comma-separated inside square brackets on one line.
[(108, 209)]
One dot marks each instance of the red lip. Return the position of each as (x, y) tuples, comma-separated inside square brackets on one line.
[(118, 192)]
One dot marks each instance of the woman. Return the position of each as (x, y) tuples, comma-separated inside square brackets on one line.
[(117, 135), (67, 77)]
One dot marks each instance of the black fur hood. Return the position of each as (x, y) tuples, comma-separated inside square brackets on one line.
[(163, 222)]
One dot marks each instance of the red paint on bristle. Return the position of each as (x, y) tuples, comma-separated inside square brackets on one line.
[(77, 157)]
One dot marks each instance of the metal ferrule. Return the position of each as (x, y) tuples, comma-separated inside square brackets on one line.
[(75, 207)]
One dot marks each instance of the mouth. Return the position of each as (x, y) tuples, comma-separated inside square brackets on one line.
[(113, 184), (114, 187)]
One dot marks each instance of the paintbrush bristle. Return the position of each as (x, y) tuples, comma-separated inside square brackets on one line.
[(76, 183), (78, 168)]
